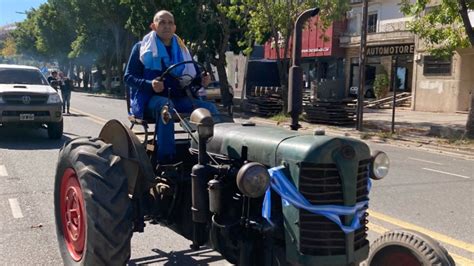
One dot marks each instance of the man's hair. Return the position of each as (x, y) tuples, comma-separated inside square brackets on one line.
[(54, 72), (155, 18)]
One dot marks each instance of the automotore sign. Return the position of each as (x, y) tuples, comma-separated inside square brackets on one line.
[(388, 50)]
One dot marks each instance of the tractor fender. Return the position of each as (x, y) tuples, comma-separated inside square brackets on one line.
[(135, 160)]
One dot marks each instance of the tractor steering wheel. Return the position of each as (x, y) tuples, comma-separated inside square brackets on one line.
[(185, 79)]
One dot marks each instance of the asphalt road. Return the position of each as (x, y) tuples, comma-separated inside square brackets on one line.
[(426, 191)]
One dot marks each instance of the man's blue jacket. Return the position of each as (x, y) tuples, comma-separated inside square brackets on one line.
[(139, 81)]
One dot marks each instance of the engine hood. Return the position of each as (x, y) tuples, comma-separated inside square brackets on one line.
[(272, 145), (22, 88)]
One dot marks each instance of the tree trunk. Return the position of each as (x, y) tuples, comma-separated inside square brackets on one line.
[(470, 119), (86, 77), (227, 100), (465, 19), (108, 76)]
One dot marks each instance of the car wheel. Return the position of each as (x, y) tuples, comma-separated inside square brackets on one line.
[(55, 130), (92, 209)]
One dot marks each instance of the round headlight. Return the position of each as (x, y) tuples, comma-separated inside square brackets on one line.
[(253, 180), (380, 165)]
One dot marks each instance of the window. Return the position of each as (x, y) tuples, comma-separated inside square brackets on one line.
[(21, 76), (372, 23), (437, 66)]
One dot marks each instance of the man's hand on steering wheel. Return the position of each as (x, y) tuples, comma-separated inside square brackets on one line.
[(184, 79), (158, 85), (205, 79)]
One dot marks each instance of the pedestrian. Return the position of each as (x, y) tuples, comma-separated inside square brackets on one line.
[(66, 85), (157, 51), (53, 80)]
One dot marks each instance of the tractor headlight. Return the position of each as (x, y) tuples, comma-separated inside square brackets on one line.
[(380, 165), (253, 180), (54, 98)]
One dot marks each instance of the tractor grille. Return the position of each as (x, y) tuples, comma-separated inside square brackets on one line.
[(20, 98), (321, 184)]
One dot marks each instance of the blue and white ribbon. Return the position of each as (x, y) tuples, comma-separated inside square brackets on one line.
[(290, 195)]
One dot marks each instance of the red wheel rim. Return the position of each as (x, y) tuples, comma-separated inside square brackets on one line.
[(394, 256), (72, 214), (401, 258)]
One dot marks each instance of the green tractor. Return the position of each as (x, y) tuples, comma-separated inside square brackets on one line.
[(258, 195)]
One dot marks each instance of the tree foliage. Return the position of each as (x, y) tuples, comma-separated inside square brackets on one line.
[(443, 25), (7, 47), (274, 21)]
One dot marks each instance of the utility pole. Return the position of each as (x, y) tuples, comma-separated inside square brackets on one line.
[(394, 86), (362, 62)]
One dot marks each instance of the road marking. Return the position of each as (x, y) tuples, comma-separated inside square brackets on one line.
[(16, 210), (3, 170), (92, 117), (460, 260), (446, 173), (425, 161), (440, 237)]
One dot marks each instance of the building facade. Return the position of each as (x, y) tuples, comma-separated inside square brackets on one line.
[(390, 46), (439, 85), (332, 64), (322, 58)]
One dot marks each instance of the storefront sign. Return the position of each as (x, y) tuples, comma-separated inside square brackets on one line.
[(315, 50), (396, 49)]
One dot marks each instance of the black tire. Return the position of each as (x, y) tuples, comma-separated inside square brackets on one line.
[(103, 192), (55, 130), (407, 247)]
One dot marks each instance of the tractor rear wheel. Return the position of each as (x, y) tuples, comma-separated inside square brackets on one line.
[(91, 205), (407, 247)]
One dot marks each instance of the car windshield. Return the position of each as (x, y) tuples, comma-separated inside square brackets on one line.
[(22, 76)]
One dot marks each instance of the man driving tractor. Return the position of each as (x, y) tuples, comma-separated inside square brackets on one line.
[(150, 92)]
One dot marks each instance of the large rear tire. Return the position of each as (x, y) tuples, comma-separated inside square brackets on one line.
[(409, 248), (91, 205)]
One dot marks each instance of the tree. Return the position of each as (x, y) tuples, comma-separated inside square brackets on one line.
[(431, 20), (53, 33), (25, 37), (274, 21), (441, 40), (8, 48)]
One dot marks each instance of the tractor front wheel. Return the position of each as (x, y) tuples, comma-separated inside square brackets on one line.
[(91, 205), (410, 248)]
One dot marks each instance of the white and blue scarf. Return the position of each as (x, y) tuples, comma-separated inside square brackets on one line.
[(153, 53)]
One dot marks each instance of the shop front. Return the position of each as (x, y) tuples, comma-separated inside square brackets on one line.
[(322, 59), (395, 61)]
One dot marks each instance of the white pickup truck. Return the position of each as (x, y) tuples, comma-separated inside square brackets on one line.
[(26, 97)]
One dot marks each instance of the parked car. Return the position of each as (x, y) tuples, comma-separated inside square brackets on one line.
[(27, 98), (213, 91), (115, 82), (368, 88)]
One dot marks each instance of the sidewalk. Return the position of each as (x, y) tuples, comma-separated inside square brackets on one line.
[(441, 132)]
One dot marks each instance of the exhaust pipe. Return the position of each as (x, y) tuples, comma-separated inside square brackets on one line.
[(295, 88)]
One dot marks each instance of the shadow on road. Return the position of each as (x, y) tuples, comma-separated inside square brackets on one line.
[(100, 94), (26, 138), (184, 257)]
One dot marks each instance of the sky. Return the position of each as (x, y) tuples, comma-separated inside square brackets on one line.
[(8, 9)]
